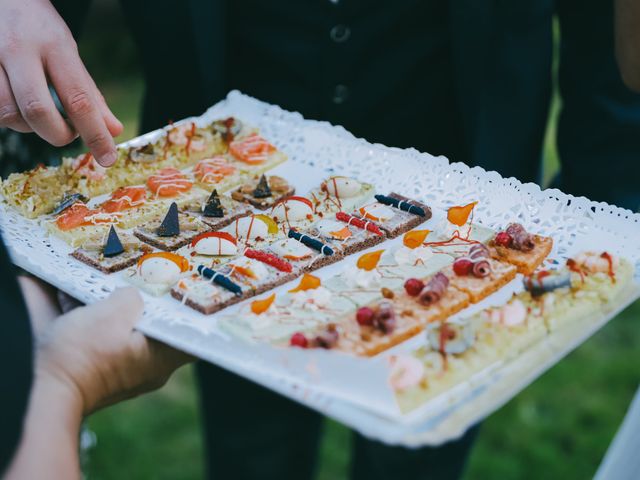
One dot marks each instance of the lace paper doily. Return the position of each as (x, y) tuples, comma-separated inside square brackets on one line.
[(574, 223)]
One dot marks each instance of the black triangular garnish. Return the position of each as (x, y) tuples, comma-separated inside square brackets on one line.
[(170, 226), (262, 189), (213, 207), (113, 245)]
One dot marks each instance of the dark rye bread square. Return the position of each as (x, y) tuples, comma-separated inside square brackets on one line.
[(207, 308), (98, 261), (190, 227), (212, 304), (232, 211), (279, 187), (408, 221), (360, 240)]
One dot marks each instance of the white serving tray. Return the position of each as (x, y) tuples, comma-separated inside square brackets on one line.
[(355, 391)]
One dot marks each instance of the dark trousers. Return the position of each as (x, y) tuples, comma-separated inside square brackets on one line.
[(253, 433)]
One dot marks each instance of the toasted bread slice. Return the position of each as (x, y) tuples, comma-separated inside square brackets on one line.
[(526, 262), (480, 288)]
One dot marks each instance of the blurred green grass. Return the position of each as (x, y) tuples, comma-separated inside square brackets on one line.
[(558, 428)]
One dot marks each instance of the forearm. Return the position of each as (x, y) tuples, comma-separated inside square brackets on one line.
[(627, 30), (49, 444)]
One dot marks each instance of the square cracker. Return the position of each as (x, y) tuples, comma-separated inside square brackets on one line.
[(526, 262), (411, 318), (480, 288), (111, 264), (190, 227)]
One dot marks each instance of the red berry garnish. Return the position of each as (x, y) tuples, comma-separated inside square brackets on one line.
[(413, 286), (364, 316), (503, 239), (462, 266), (299, 340)]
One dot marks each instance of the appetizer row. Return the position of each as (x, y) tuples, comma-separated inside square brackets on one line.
[(389, 296), (223, 148), (456, 349), (217, 252)]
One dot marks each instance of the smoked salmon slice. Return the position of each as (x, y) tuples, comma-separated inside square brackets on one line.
[(169, 182), (252, 149), (212, 170), (125, 198), (79, 215)]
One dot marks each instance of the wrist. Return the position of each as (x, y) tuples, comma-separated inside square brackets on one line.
[(60, 395), (51, 431)]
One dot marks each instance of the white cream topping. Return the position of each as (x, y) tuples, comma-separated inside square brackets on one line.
[(343, 187), (257, 268), (291, 249), (250, 228), (412, 256), (313, 299), (292, 210), (378, 211), (361, 278), (325, 227), (160, 271), (215, 246)]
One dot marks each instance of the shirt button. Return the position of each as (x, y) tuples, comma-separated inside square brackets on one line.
[(340, 94), (340, 33)]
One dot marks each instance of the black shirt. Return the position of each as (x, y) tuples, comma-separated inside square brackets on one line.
[(16, 361)]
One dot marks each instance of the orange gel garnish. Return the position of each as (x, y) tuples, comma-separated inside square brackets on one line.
[(245, 272), (261, 306), (415, 238), (342, 234), (370, 260), (307, 282), (459, 215)]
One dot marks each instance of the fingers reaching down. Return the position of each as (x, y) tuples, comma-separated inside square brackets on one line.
[(10, 116), (31, 92), (82, 102)]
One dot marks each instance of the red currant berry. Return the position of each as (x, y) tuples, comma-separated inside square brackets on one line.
[(503, 239), (413, 286), (299, 340), (462, 266), (364, 316)]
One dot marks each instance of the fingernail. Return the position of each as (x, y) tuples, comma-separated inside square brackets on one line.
[(108, 159)]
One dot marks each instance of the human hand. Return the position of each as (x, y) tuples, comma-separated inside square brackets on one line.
[(94, 353), (36, 45)]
